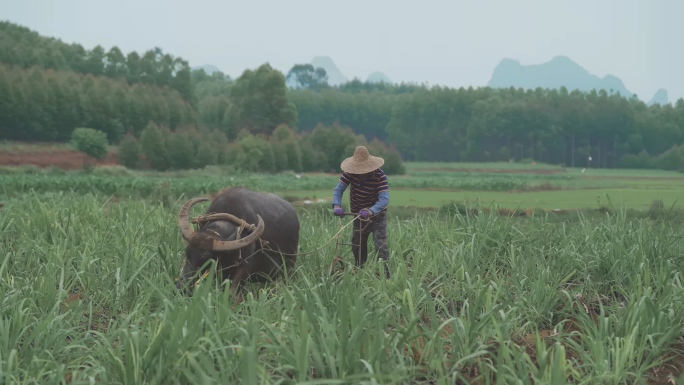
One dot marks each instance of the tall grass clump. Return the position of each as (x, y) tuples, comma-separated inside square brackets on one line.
[(88, 296)]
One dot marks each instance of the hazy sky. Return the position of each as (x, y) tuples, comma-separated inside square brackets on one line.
[(454, 43)]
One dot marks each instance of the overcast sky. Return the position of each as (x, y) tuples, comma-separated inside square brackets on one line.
[(454, 43)]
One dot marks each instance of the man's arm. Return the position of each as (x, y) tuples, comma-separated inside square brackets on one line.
[(337, 194), (383, 201), (339, 190), (383, 196)]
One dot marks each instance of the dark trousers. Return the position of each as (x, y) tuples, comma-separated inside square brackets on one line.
[(377, 226)]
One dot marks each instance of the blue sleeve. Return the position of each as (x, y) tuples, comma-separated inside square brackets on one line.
[(337, 194), (383, 201)]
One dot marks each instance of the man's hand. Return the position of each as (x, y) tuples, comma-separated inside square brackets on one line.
[(365, 213), (338, 211)]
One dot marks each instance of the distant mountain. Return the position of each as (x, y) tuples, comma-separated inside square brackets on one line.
[(208, 68), (559, 71), (660, 97), (335, 76), (378, 77)]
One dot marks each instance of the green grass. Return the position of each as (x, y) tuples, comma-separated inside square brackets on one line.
[(562, 199), (88, 296), (425, 189), (19, 147), (10, 146), (414, 166)]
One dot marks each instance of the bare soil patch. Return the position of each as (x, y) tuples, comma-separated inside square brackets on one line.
[(673, 369), (62, 158)]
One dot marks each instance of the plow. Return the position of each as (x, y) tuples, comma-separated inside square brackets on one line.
[(338, 264)]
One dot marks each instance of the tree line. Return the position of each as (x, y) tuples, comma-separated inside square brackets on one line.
[(322, 149), (46, 105), (24, 48), (48, 90), (442, 124)]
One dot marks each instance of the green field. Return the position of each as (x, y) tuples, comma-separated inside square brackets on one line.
[(88, 295), (636, 197), (425, 185), (87, 264), (570, 189)]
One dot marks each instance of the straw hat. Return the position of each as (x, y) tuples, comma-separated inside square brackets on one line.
[(362, 162)]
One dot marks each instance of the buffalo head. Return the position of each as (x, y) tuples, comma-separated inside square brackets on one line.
[(217, 240)]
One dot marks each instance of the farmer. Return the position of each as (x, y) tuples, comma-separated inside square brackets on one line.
[(368, 196)]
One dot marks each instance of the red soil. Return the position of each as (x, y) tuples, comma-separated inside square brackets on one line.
[(63, 158)]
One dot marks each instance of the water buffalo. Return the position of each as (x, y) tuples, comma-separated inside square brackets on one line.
[(229, 236)]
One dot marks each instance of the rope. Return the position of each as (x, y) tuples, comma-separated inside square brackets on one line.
[(244, 224), (336, 236), (217, 216)]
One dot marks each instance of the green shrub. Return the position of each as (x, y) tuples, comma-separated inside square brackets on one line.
[(129, 152), (111, 170), (153, 146), (671, 159), (91, 142)]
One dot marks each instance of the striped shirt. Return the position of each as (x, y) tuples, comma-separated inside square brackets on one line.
[(365, 195)]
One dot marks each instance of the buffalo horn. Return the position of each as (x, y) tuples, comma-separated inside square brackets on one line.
[(186, 231)]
